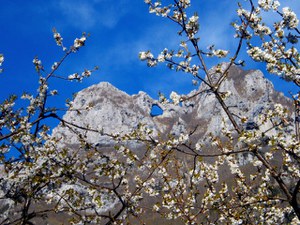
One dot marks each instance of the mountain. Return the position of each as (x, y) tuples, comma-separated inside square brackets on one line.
[(110, 112), (104, 108), (114, 111)]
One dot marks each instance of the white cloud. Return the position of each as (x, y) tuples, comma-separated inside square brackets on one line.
[(89, 14), (215, 24), (78, 13)]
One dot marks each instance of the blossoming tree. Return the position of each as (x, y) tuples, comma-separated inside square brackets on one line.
[(182, 180)]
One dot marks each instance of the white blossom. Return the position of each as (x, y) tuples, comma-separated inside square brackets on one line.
[(290, 18), (58, 38), (79, 42), (1, 59), (175, 98)]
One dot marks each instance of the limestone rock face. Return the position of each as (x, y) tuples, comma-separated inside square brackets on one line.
[(251, 93), (113, 111)]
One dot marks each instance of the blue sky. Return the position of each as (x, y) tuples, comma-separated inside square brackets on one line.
[(119, 31)]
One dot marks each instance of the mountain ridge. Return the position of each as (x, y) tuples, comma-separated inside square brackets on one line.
[(114, 111)]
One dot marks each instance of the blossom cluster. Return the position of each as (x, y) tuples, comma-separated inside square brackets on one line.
[(57, 37), (79, 42), (290, 19), (238, 175), (175, 98), (1, 61), (268, 4), (78, 77), (37, 64), (278, 48)]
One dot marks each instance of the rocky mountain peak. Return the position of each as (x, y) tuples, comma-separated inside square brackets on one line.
[(104, 107)]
